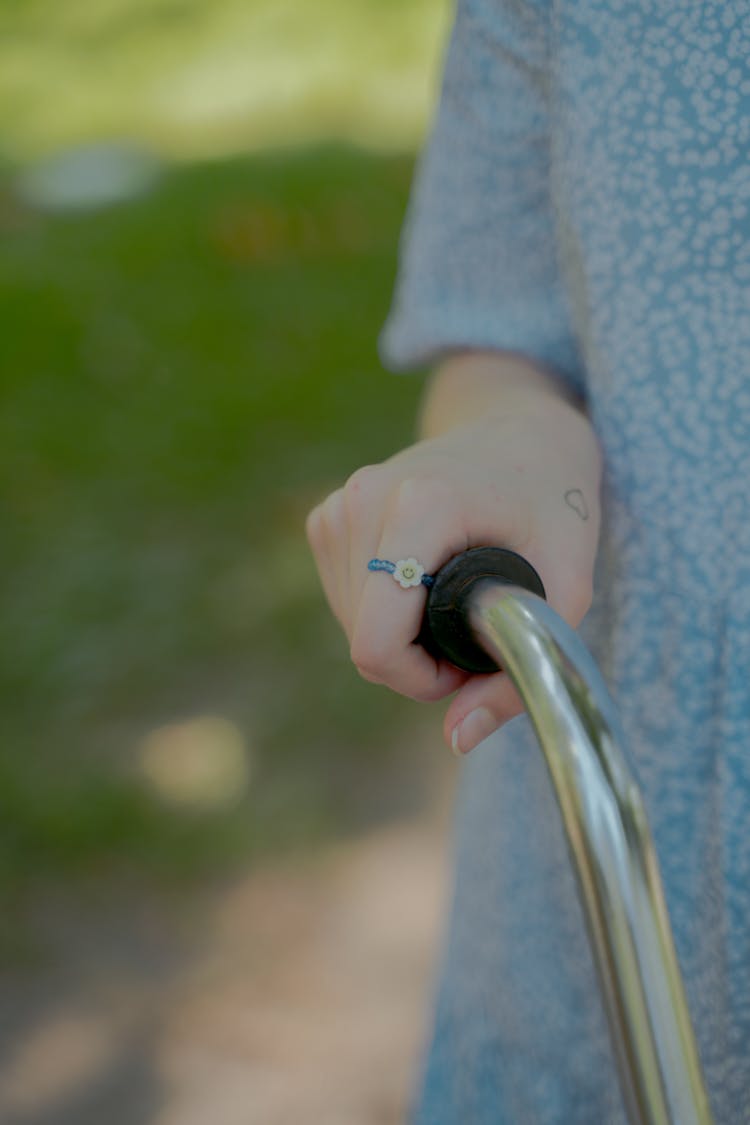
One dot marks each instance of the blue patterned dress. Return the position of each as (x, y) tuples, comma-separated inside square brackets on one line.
[(584, 198)]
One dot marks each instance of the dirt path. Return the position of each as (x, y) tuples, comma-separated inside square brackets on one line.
[(298, 994)]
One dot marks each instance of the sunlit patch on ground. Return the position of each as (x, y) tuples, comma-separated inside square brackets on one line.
[(89, 176), (299, 993), (63, 1054), (201, 762)]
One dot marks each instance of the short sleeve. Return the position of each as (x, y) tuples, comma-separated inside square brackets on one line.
[(478, 259)]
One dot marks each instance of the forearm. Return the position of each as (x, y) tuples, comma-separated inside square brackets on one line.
[(476, 384)]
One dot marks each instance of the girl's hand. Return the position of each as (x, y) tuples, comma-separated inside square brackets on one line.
[(526, 476)]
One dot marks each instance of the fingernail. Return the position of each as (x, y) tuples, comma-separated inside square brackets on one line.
[(472, 730)]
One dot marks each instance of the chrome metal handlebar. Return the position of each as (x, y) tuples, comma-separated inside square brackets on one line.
[(611, 848)]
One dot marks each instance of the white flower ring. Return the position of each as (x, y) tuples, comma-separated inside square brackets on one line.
[(407, 572)]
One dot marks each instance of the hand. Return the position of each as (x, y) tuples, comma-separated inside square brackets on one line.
[(525, 476)]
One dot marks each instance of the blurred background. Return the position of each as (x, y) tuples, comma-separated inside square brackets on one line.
[(221, 853)]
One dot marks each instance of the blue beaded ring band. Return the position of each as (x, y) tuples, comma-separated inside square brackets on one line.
[(407, 572)]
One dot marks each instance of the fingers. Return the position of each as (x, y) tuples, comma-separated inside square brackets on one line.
[(332, 530), (482, 706), (327, 559), (380, 618), (388, 617)]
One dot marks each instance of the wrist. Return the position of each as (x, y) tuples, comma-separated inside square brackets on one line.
[(474, 385)]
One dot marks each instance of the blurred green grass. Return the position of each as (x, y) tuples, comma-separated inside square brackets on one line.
[(183, 376)]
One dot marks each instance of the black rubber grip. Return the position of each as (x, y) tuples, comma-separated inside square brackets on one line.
[(445, 631)]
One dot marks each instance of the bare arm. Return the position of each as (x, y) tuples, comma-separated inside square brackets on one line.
[(471, 385)]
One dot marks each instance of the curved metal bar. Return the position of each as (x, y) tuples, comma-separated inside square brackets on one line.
[(612, 852)]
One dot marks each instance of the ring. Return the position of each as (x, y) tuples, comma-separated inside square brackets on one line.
[(407, 572)]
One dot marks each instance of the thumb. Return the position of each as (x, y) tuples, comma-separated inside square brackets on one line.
[(483, 705)]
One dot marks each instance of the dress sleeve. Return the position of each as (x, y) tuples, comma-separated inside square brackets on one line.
[(478, 258)]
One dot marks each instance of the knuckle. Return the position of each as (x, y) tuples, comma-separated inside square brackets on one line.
[(430, 693), (361, 486), (366, 660), (322, 519), (375, 665), (362, 478)]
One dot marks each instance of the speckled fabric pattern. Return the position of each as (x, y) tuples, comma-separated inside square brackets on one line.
[(584, 197)]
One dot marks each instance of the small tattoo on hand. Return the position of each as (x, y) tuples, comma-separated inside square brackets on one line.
[(574, 499)]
